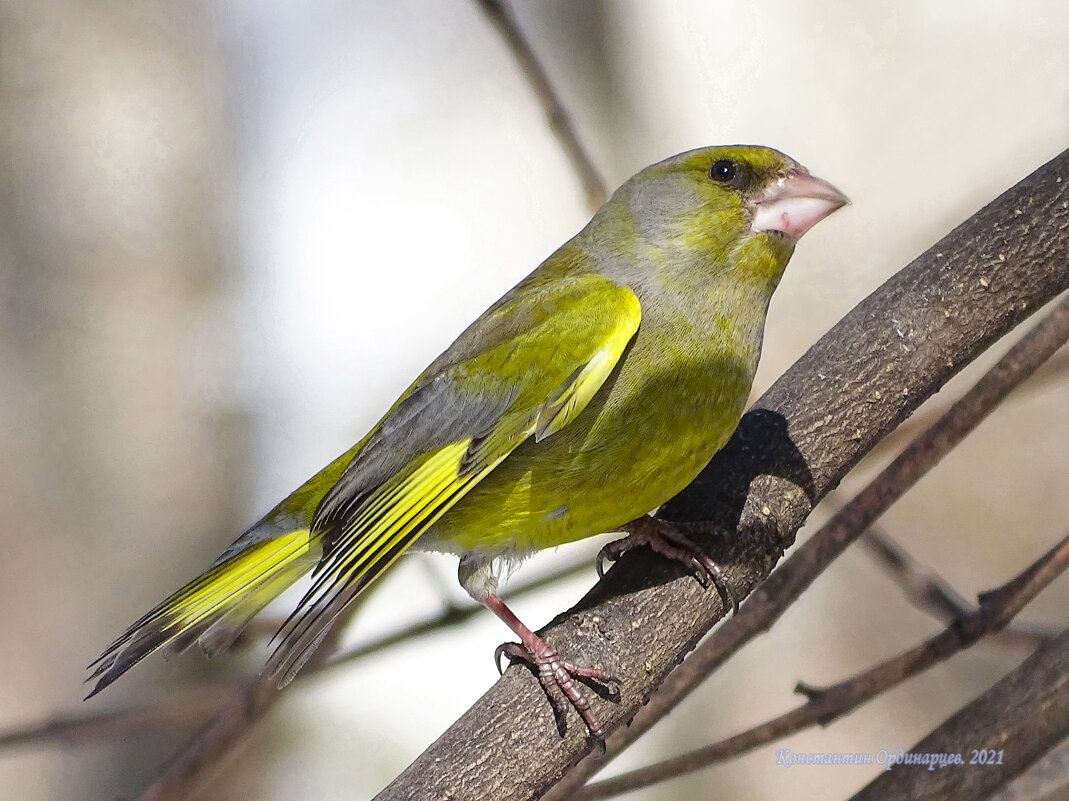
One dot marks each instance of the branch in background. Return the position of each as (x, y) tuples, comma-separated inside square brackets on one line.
[(180, 777), (858, 382), (799, 570), (930, 592), (1013, 723), (1053, 371), (921, 585), (251, 700), (560, 122), (825, 705), (189, 704)]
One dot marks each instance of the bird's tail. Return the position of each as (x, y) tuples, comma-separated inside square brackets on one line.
[(214, 607)]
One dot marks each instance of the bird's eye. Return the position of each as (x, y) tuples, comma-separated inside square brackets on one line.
[(724, 171)]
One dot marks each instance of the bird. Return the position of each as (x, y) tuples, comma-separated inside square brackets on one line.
[(583, 399)]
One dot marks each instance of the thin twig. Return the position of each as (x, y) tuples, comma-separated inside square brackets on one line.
[(931, 593), (1012, 725), (251, 700), (560, 122), (800, 569), (192, 703), (186, 705), (996, 609), (921, 585)]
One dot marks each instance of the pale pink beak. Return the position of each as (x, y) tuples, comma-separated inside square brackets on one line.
[(794, 203)]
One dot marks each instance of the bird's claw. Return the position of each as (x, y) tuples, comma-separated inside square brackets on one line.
[(558, 678), (514, 652), (671, 543), (608, 554)]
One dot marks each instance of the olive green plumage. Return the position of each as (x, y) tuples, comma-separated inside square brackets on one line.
[(589, 394)]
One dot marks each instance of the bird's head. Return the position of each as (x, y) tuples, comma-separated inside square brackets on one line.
[(715, 198)]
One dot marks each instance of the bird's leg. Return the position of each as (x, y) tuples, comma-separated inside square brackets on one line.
[(557, 676), (666, 539)]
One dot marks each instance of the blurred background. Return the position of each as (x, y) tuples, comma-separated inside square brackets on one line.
[(232, 232)]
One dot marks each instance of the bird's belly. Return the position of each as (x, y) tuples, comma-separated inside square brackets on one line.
[(623, 456)]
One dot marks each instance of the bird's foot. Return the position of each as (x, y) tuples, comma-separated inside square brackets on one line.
[(559, 678), (667, 540)]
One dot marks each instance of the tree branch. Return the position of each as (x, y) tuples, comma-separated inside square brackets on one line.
[(864, 377), (829, 703), (1018, 719), (930, 592), (185, 705), (560, 121)]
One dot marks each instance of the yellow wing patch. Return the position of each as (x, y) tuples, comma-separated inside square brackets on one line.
[(222, 600), (574, 394), (225, 584), (383, 528), (396, 509)]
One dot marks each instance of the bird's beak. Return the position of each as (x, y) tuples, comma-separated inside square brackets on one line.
[(794, 203)]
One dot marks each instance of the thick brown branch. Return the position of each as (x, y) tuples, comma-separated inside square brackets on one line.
[(864, 377)]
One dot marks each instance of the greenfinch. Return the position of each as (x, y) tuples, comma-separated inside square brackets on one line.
[(591, 393)]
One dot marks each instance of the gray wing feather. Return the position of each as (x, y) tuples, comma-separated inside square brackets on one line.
[(436, 414)]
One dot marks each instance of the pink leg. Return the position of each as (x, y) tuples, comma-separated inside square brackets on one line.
[(556, 675), (670, 542)]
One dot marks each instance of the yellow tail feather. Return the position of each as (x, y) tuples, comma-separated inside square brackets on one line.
[(388, 523), (215, 606)]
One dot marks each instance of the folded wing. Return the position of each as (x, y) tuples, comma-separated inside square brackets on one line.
[(526, 368)]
